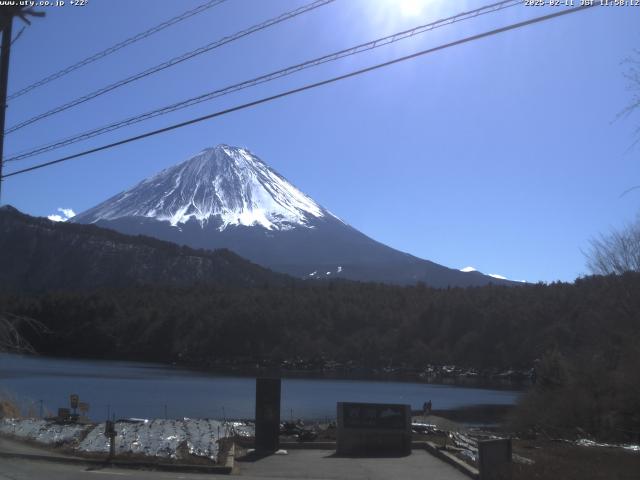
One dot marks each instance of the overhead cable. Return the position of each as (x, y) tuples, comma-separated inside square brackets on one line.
[(114, 48), (310, 86), (171, 63), (380, 42)]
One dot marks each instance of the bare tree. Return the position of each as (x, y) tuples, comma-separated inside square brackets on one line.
[(616, 252), (633, 84), (619, 251), (11, 338)]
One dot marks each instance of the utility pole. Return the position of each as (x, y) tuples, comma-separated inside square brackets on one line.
[(4, 80), (6, 23)]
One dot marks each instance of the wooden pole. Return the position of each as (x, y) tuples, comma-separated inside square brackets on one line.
[(4, 80)]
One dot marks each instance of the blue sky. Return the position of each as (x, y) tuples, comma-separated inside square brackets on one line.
[(504, 154)]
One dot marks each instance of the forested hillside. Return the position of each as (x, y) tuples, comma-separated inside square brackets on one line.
[(366, 324), (39, 255), (582, 339)]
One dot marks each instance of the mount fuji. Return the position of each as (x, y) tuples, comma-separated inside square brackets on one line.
[(226, 197)]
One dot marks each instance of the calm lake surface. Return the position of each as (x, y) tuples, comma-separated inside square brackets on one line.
[(147, 390)]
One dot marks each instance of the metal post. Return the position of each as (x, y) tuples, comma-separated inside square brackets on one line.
[(112, 445), (110, 433)]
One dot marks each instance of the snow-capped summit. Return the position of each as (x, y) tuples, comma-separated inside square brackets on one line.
[(226, 197), (223, 185)]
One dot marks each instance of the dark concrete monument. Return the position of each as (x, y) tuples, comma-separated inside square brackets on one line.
[(267, 414), (373, 429)]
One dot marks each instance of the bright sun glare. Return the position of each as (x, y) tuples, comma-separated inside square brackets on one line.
[(398, 13), (393, 11), (410, 8)]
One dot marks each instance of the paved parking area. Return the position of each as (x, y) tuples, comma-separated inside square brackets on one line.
[(323, 464), (297, 464)]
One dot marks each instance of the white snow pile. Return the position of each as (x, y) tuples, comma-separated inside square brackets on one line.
[(171, 439), (43, 431), (241, 429), (584, 442), (160, 438)]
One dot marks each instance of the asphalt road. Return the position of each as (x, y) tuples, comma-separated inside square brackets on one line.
[(299, 464), (323, 464), (15, 469)]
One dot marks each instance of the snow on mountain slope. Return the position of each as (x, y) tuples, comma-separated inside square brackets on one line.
[(226, 197), (226, 185)]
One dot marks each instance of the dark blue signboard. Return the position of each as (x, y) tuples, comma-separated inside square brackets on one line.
[(373, 415)]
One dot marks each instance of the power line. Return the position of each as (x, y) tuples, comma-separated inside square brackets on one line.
[(172, 62), (118, 46), (310, 86), (266, 78)]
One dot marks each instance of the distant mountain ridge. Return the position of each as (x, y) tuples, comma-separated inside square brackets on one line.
[(37, 254), (226, 197)]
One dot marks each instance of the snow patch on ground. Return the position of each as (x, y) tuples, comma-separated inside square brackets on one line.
[(160, 438), (42, 431), (154, 438), (584, 442)]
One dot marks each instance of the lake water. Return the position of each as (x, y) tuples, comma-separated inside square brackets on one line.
[(147, 390)]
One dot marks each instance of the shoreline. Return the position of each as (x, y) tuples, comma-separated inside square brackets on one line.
[(448, 375)]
